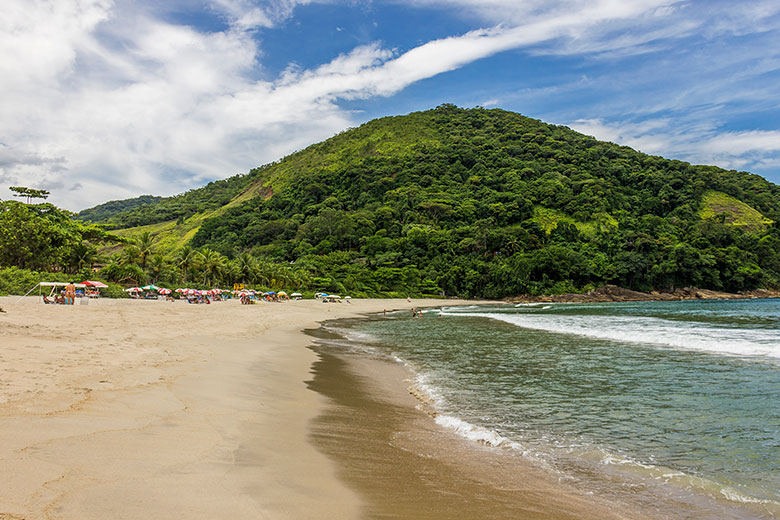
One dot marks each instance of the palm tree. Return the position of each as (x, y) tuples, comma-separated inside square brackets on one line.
[(212, 264), (264, 272), (145, 249), (130, 255), (82, 255), (185, 259), (246, 266), (157, 265)]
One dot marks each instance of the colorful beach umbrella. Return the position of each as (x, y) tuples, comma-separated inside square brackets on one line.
[(93, 283)]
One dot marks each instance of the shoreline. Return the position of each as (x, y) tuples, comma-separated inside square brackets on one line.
[(387, 446), (378, 413)]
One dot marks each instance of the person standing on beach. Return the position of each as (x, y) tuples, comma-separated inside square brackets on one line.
[(70, 293)]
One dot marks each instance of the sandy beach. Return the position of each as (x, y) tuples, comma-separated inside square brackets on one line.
[(143, 409)]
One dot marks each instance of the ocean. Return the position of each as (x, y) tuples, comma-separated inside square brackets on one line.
[(648, 403)]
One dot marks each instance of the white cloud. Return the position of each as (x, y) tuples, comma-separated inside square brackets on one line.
[(107, 100), (700, 145)]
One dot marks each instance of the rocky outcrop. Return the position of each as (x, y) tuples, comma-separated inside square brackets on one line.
[(613, 293)]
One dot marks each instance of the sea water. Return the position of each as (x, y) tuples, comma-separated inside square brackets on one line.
[(649, 399)]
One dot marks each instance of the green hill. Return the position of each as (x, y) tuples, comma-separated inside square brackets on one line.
[(104, 212), (483, 203)]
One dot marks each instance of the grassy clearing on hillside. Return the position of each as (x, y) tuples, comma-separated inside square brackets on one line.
[(171, 235), (736, 212), (549, 219)]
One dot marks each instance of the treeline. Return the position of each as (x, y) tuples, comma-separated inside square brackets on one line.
[(44, 237)]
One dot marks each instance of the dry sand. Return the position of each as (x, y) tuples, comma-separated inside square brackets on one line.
[(145, 409)]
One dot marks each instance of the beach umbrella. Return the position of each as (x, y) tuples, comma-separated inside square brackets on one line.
[(180, 290), (296, 294), (93, 283), (282, 293), (133, 289), (347, 297), (150, 288), (165, 291)]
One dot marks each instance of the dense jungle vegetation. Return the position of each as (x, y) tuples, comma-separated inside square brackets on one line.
[(469, 202), (103, 212)]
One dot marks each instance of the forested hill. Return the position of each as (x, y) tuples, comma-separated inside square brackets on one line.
[(104, 212), (483, 203)]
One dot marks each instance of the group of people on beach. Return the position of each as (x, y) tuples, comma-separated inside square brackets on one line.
[(66, 297)]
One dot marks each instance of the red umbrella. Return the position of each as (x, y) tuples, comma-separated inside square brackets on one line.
[(92, 283)]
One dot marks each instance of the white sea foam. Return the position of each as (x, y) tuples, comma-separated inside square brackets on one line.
[(460, 308), (430, 391), (471, 431), (652, 331)]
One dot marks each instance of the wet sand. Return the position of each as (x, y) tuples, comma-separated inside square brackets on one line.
[(405, 466)]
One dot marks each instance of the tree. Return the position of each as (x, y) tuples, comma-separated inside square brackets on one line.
[(186, 259), (29, 193), (157, 267), (144, 243), (82, 255), (212, 264)]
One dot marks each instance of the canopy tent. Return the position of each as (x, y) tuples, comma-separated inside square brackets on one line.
[(53, 285)]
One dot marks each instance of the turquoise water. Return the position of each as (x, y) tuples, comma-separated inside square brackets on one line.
[(676, 398)]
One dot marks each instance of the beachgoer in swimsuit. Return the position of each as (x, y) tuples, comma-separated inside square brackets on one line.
[(70, 293)]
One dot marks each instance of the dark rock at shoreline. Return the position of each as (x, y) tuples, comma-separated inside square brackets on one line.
[(613, 293)]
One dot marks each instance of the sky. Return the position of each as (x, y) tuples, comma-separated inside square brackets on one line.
[(103, 100)]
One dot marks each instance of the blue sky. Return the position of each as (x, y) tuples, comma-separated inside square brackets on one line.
[(109, 99)]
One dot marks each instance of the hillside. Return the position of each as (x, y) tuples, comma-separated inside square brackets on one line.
[(106, 211), (481, 202)]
